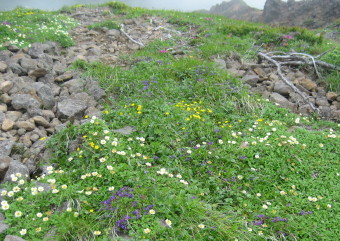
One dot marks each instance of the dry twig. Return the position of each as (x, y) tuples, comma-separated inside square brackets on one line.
[(129, 37), (288, 82)]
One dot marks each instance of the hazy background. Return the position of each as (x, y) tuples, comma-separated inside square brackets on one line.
[(183, 5)]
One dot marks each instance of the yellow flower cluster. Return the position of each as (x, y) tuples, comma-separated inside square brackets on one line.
[(195, 109)]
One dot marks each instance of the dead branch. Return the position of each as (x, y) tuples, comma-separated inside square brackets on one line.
[(129, 37), (168, 29), (288, 82)]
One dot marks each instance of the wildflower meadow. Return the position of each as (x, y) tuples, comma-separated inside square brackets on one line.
[(205, 159)]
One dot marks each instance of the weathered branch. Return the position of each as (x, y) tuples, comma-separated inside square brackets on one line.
[(168, 29), (288, 82), (129, 37)]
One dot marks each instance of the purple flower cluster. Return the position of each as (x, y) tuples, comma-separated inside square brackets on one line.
[(120, 202), (302, 213), (278, 219)]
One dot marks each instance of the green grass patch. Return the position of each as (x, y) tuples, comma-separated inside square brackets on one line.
[(23, 27)]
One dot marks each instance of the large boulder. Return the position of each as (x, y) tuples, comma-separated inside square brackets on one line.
[(24, 101), (71, 108)]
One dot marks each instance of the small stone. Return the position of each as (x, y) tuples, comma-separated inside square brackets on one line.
[(282, 101), (6, 86), (7, 125), (260, 72), (322, 101), (308, 84), (331, 96), (13, 238), (5, 98), (21, 132), (3, 66), (282, 88), (37, 73), (41, 121), (48, 114), (26, 140), (26, 125), (64, 77), (251, 79), (3, 107), (34, 137), (127, 130), (13, 115)]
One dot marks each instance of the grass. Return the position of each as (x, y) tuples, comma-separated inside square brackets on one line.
[(208, 160)]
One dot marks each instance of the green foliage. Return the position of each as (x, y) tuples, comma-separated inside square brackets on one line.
[(118, 7)]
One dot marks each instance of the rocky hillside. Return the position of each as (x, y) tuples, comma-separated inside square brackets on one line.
[(308, 13), (236, 9)]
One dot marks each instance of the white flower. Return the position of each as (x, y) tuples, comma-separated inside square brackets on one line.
[(179, 176), (240, 177), (102, 159), (201, 225), (5, 207), (18, 174), (184, 182), (189, 151), (283, 193), (148, 164), (147, 230), (151, 211), (23, 231), (106, 131), (70, 159), (110, 168), (297, 120), (269, 203), (107, 138), (257, 156), (49, 168), (39, 215), (16, 189), (88, 192), (10, 194), (264, 206), (55, 191), (103, 142), (40, 189), (75, 214), (94, 174), (220, 141), (3, 193), (97, 233), (168, 222), (329, 206), (17, 214), (162, 171), (64, 186), (52, 181), (258, 194), (45, 219), (14, 179), (111, 188)]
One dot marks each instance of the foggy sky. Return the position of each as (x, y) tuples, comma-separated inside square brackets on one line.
[(182, 5)]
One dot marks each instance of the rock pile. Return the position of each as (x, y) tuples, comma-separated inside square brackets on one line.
[(38, 96), (266, 82)]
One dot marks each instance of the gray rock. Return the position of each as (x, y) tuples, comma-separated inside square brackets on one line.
[(2, 117), (113, 34), (305, 109), (221, 63), (17, 69), (3, 107), (3, 66), (5, 98), (28, 64), (6, 86), (13, 115), (64, 77), (71, 108), (75, 85), (127, 130), (38, 49), (3, 227), (282, 101), (24, 101), (94, 90), (6, 148), (41, 121), (37, 73), (16, 167), (13, 238), (26, 125), (282, 88), (7, 125), (5, 55), (322, 101), (45, 93), (251, 79), (4, 165)]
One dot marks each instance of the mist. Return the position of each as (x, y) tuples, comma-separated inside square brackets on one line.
[(181, 5)]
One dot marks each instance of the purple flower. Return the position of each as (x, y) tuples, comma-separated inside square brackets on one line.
[(155, 157), (242, 157)]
